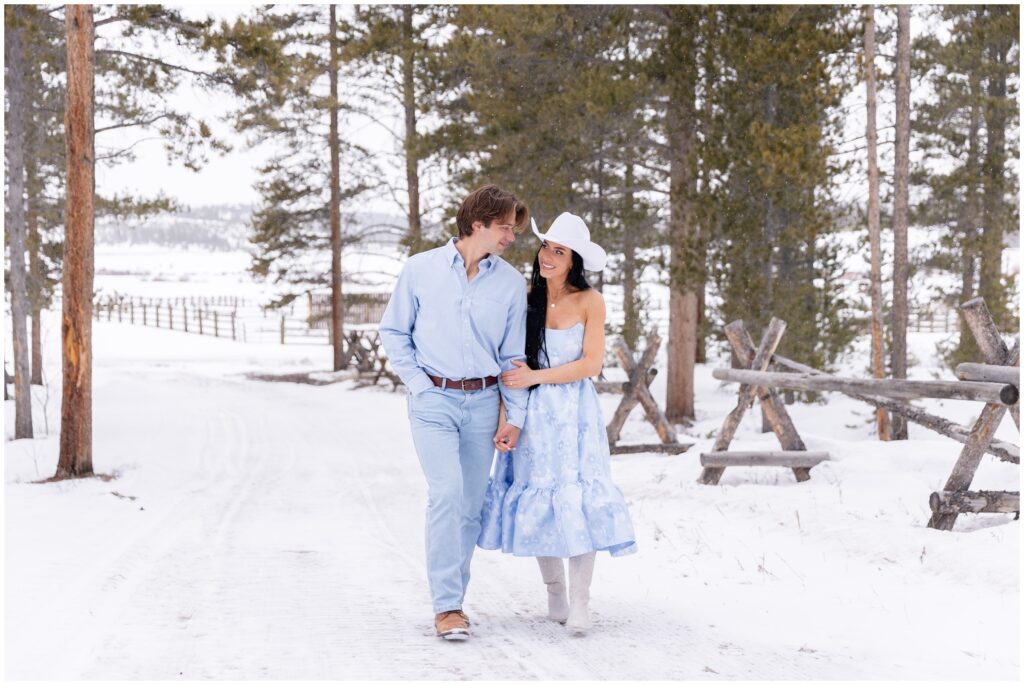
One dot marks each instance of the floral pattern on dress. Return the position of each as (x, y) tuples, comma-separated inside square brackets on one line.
[(553, 496)]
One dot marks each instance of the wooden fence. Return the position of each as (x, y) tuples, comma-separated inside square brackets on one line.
[(234, 318)]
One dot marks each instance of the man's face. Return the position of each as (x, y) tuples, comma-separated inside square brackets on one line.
[(496, 237)]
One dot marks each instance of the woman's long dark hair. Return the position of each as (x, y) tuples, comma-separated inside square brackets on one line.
[(537, 306)]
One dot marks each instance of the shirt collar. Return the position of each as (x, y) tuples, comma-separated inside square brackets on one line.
[(451, 255)]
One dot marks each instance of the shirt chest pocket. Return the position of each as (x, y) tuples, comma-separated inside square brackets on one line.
[(437, 309), (489, 316)]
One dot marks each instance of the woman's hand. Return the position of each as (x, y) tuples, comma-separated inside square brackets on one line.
[(520, 377)]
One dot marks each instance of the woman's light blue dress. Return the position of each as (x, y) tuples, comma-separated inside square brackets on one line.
[(553, 496)]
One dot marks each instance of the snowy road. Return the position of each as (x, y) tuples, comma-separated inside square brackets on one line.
[(276, 532)]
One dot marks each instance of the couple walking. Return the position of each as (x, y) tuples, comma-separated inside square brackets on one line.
[(459, 319)]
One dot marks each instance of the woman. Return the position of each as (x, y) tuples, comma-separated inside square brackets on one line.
[(552, 497)]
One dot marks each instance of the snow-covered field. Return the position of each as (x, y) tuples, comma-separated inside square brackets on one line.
[(275, 530)]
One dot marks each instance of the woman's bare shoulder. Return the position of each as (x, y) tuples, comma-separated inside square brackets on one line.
[(592, 297)]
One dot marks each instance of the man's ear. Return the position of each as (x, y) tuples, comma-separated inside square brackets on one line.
[(477, 225)]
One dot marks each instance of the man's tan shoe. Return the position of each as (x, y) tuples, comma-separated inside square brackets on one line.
[(463, 615), (452, 625)]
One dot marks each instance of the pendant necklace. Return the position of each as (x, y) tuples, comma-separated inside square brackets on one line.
[(560, 297)]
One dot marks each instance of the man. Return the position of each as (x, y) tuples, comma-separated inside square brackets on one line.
[(457, 320)]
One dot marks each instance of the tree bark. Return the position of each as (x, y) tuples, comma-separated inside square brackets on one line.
[(630, 311), (705, 230), (990, 283), (874, 221), (901, 191), (35, 187), (337, 299), (990, 393), (800, 459), (15, 81), (682, 342), (1003, 450), (990, 373), (967, 348), (414, 237), (978, 502), (77, 286)]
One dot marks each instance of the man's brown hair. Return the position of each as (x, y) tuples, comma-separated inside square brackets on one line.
[(487, 203)]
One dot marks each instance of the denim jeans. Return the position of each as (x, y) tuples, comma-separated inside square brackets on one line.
[(453, 432)]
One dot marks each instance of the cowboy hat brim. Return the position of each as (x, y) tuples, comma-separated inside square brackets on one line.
[(594, 256)]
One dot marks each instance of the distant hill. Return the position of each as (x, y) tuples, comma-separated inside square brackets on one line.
[(221, 228)]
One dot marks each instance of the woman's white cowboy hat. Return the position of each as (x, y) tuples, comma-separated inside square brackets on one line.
[(569, 230)]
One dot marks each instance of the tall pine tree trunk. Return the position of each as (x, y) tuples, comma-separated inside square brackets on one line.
[(630, 312), (990, 282), (967, 349), (17, 119), (901, 200), (414, 236), (337, 299), (709, 29), (76, 328), (771, 239), (682, 340), (874, 220), (36, 278)]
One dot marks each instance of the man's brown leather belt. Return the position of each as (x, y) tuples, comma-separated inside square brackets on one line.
[(467, 384)]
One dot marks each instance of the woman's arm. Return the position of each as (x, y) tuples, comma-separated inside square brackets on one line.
[(590, 364)]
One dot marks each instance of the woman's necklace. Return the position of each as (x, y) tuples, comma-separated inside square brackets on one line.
[(559, 297)]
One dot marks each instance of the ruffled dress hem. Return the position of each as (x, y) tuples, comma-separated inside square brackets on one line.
[(564, 520)]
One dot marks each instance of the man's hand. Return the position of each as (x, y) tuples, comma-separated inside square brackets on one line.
[(506, 437)]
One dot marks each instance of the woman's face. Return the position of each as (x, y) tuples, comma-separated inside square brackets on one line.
[(555, 260)]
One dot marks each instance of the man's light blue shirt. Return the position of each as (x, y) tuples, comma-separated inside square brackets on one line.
[(438, 322)]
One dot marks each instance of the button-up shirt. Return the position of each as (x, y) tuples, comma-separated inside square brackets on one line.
[(439, 322)]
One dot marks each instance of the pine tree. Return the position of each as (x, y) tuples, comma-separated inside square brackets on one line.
[(282, 66), (965, 74), (76, 331), (901, 203), (15, 87), (542, 107), (128, 96), (679, 76), (133, 76), (772, 172), (874, 219), (394, 47)]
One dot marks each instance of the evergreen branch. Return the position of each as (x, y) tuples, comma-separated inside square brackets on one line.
[(837, 153), (108, 20), (134, 123), (124, 150), (166, 65)]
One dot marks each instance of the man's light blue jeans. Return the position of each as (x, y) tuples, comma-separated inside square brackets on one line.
[(453, 432)]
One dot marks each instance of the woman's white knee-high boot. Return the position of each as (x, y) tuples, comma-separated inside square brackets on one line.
[(552, 570), (581, 572)]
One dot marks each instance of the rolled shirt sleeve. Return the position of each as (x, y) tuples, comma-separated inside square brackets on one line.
[(513, 347), (396, 328)]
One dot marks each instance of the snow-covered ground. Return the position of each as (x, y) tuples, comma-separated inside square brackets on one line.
[(275, 530)]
